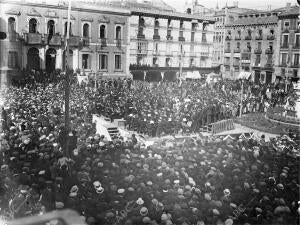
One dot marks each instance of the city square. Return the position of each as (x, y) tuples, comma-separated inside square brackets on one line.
[(139, 112)]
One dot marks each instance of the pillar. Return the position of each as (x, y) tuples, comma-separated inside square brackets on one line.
[(75, 59), (42, 53), (144, 75), (59, 58)]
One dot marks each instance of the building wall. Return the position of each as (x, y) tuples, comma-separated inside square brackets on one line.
[(164, 49), (289, 67), (23, 12)]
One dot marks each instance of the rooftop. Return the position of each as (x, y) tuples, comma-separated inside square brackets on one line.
[(254, 20)]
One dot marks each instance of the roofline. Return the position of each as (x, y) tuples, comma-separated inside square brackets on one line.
[(169, 15), (108, 10)]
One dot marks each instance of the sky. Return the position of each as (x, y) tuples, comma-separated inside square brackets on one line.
[(254, 4)]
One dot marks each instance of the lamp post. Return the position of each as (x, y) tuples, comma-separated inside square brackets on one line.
[(67, 86), (241, 105)]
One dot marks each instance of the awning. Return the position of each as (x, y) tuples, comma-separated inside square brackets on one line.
[(244, 75), (193, 75)]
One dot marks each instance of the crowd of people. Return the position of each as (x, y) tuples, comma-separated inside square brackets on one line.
[(187, 181)]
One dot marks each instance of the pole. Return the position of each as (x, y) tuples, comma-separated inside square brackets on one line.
[(241, 105), (180, 68), (67, 86)]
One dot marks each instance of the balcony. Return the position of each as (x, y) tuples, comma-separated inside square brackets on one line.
[(228, 38), (236, 64), (169, 37), (85, 41), (142, 51), (270, 37), (296, 46), (140, 36), (103, 42), (284, 45), (257, 51), (295, 65), (237, 50), (33, 39), (248, 37), (119, 43), (269, 51), (181, 39), (269, 66), (227, 50), (55, 40), (74, 41), (237, 38), (259, 37), (156, 37)]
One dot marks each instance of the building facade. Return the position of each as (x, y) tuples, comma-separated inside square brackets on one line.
[(36, 35), (288, 62), (250, 41)]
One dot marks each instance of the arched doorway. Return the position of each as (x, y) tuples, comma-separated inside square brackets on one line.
[(33, 59), (70, 60), (153, 76), (50, 60)]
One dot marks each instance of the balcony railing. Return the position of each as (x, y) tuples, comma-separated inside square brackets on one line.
[(236, 64), (85, 41), (295, 65), (74, 41), (268, 65), (142, 51), (283, 65), (33, 38), (259, 37), (141, 36), (103, 42), (119, 43), (54, 40), (248, 37), (285, 45), (228, 38), (181, 39), (257, 51), (227, 50), (156, 37), (169, 37), (270, 37), (269, 51), (237, 38), (237, 50), (296, 46)]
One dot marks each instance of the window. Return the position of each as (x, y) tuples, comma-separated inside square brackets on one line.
[(257, 60), (296, 59), (283, 58), (286, 24), (248, 46), (297, 40), (238, 45), (271, 32), (118, 32), (11, 25), (86, 61), (118, 62), (102, 31), (168, 62), (228, 45), (259, 45), (191, 62), (32, 25), (285, 40), (154, 60), (239, 33), (66, 27), (86, 32), (51, 27), (181, 25), (271, 46), (249, 33), (192, 36), (295, 73), (180, 33), (103, 62), (12, 59)]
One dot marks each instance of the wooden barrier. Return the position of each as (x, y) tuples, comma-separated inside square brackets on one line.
[(221, 126)]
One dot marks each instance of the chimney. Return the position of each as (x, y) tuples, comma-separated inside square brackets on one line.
[(288, 4)]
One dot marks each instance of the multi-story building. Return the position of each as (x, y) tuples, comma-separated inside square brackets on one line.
[(288, 42), (163, 38), (36, 31), (250, 40)]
